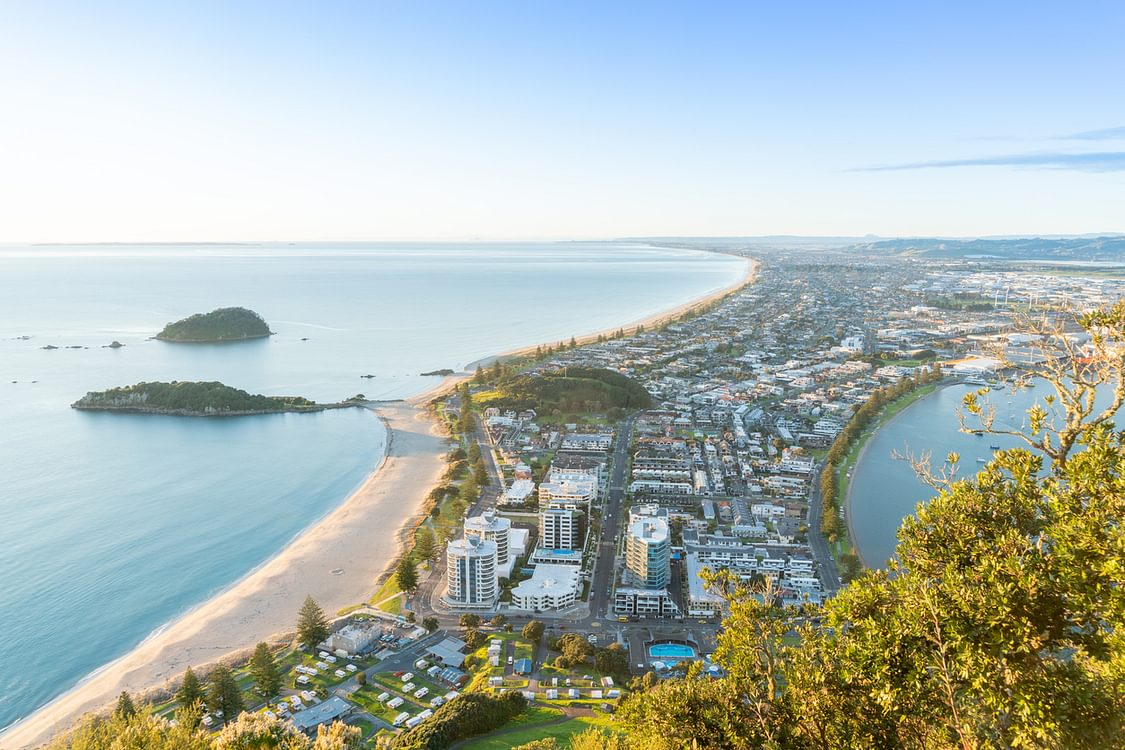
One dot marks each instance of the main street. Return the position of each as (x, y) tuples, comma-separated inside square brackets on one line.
[(606, 556)]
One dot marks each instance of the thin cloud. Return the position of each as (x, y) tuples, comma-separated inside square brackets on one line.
[(1105, 134), (1105, 161)]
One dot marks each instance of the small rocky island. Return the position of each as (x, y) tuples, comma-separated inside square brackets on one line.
[(223, 324), (195, 399), (442, 371)]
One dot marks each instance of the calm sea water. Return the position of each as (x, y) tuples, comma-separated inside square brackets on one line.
[(114, 524), (885, 489)]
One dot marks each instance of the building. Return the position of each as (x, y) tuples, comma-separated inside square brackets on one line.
[(490, 527), (569, 487), (601, 441), (644, 603), (647, 550), (470, 573), (329, 710), (550, 587), (702, 602), (520, 492), (354, 639), (560, 528)]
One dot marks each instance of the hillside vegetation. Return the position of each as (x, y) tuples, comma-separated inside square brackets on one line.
[(223, 324), (201, 398), (569, 389)]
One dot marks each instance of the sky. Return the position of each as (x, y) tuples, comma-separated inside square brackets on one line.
[(420, 119)]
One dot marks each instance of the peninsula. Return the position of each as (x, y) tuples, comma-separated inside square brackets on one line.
[(223, 324), (195, 399)]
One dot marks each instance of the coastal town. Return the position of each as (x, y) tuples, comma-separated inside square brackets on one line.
[(569, 553)]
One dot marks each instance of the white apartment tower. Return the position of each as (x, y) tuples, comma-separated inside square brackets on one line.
[(490, 527), (470, 572)]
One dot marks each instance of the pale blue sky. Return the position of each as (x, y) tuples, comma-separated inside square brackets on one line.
[(363, 120)]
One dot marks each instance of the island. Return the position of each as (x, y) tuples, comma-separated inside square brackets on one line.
[(442, 371), (196, 399), (221, 325)]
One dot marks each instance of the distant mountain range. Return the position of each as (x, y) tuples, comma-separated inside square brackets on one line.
[(1102, 248)]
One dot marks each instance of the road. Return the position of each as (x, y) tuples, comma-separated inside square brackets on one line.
[(611, 521), (822, 556)]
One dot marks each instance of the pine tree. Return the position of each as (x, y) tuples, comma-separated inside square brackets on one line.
[(191, 691), (223, 694), (267, 681), (407, 574), (312, 627), (425, 546), (125, 708)]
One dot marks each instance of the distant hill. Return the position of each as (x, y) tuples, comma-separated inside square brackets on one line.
[(1019, 248), (223, 324)]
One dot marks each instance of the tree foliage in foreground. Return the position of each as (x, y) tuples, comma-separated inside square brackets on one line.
[(247, 732), (1001, 626)]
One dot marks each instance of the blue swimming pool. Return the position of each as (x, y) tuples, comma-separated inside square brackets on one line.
[(671, 651)]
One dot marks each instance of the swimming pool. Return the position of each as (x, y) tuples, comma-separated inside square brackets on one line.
[(671, 651)]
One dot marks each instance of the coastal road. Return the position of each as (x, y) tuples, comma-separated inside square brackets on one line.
[(829, 577)]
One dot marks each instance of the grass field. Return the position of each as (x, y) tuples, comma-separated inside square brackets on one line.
[(505, 738)]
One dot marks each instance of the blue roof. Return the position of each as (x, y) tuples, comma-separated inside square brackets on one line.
[(322, 713), (522, 666)]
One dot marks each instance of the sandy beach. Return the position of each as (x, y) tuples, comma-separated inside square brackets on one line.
[(264, 604), (353, 537)]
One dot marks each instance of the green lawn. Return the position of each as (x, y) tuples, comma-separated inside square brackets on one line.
[(532, 732)]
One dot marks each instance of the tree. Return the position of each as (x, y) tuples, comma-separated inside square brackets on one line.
[(223, 695), (612, 660), (190, 691), (125, 708), (425, 545), (574, 650), (267, 680), (474, 639), (259, 731), (338, 736), (533, 631), (430, 624), (470, 620), (497, 620), (361, 678), (312, 626), (406, 574)]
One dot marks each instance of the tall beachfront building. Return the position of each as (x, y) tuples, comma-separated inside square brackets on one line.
[(560, 528), (470, 573), (647, 550), (490, 527)]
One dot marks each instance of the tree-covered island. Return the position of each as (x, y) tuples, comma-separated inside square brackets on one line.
[(223, 324), (195, 399)]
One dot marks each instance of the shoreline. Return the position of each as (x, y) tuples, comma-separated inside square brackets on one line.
[(261, 604), (352, 536), (655, 320), (848, 496)]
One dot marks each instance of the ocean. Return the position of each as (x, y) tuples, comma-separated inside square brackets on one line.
[(115, 524)]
